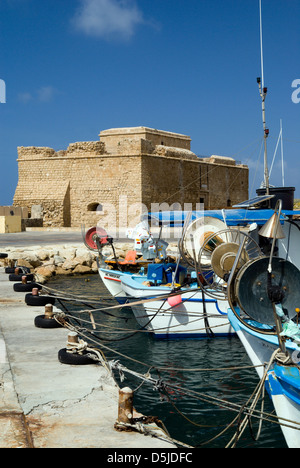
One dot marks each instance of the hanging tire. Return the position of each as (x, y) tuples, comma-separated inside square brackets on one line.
[(3, 255), (20, 287), (42, 322), (14, 277), (75, 359), (38, 300)]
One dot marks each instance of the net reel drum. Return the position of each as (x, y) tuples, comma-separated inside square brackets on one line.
[(96, 238), (263, 284), (219, 254), (196, 234), (251, 291)]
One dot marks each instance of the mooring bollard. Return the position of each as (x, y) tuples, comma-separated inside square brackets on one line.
[(72, 338), (35, 292), (125, 409), (24, 279), (48, 311)]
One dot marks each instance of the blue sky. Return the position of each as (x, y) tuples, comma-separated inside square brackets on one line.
[(75, 67)]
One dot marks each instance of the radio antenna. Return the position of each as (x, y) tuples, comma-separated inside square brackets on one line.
[(263, 93)]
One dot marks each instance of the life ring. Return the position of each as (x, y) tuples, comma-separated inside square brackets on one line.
[(75, 359), (32, 300), (21, 287), (41, 321)]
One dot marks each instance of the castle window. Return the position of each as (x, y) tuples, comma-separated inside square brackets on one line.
[(94, 207)]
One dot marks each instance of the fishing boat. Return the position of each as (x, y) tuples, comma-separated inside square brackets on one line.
[(197, 312), (264, 297), (185, 314), (112, 280)]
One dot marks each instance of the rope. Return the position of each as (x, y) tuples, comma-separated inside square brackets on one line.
[(248, 409), (245, 412), (61, 315)]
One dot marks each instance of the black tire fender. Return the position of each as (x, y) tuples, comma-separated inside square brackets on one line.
[(75, 359), (24, 270), (41, 321), (20, 287), (14, 277), (38, 300)]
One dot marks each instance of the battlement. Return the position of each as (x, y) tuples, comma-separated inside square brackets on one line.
[(82, 148)]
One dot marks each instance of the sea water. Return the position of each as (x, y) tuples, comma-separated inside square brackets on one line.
[(193, 374)]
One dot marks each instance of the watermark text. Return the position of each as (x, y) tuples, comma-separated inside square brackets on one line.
[(296, 93), (2, 92)]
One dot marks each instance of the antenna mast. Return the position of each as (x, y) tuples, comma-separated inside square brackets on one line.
[(263, 93)]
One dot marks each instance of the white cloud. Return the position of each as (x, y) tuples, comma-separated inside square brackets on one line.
[(43, 94), (24, 97), (108, 18), (46, 93)]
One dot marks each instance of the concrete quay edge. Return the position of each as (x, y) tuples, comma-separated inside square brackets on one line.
[(46, 404)]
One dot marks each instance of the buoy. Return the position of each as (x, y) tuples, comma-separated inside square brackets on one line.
[(174, 301)]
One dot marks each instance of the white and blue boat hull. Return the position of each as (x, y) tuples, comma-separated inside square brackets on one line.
[(112, 281), (283, 385), (195, 315), (282, 382)]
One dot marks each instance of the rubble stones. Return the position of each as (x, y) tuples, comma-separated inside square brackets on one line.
[(57, 260)]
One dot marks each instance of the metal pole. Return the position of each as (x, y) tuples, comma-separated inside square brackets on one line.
[(263, 93)]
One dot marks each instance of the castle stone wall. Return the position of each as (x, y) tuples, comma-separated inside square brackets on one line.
[(126, 167)]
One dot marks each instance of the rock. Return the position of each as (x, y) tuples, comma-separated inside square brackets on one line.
[(43, 254), (24, 263), (59, 271), (69, 264), (94, 267), (33, 259), (82, 269), (58, 259), (46, 271), (40, 279), (84, 260), (85, 255), (48, 262), (67, 253)]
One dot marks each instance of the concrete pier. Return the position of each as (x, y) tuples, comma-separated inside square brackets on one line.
[(46, 404)]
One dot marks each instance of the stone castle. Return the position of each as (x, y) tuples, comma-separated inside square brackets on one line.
[(144, 164)]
